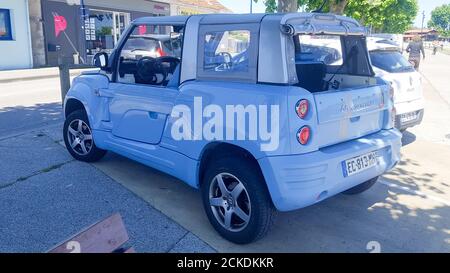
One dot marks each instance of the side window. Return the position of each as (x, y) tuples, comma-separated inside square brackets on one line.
[(5, 25), (151, 55), (228, 52)]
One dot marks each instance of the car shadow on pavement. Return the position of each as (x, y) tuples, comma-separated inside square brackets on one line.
[(351, 223), (340, 224), (21, 118), (414, 181), (398, 220), (408, 138)]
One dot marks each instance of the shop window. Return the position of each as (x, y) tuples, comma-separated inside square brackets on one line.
[(5, 25), (103, 30)]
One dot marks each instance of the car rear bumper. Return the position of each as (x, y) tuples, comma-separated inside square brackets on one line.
[(297, 181), (402, 125), (406, 108)]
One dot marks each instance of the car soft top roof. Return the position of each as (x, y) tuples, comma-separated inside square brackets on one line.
[(291, 23)]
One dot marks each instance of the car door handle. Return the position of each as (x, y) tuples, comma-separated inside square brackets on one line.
[(104, 93), (153, 115), (355, 119)]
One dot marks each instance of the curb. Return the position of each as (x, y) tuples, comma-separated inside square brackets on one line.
[(52, 74)]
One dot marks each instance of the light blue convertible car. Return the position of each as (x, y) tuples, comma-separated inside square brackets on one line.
[(261, 112)]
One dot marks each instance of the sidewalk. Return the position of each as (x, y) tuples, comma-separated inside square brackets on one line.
[(33, 74), (46, 196), (436, 69)]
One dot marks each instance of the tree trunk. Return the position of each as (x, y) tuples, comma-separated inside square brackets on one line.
[(287, 6), (338, 6)]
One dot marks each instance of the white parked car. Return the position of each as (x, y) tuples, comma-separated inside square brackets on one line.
[(389, 64)]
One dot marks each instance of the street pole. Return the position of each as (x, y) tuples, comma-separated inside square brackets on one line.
[(251, 6), (423, 20), (83, 43)]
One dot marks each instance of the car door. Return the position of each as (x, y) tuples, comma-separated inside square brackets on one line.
[(139, 112), (138, 109)]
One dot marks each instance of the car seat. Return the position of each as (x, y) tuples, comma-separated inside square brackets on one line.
[(311, 75)]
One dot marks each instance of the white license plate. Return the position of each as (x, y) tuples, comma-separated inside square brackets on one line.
[(360, 163), (408, 117)]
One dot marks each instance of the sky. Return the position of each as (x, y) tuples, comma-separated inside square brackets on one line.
[(243, 6)]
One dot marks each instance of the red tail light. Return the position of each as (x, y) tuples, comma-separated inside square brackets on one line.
[(160, 52), (301, 108), (303, 135)]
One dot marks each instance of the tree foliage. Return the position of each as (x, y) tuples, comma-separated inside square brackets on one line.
[(391, 16), (440, 19)]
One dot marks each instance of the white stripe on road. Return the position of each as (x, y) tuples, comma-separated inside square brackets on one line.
[(419, 193)]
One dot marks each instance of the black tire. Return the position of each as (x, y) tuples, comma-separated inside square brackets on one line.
[(262, 211), (94, 153), (361, 187)]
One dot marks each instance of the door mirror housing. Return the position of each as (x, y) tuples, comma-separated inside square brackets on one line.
[(100, 60)]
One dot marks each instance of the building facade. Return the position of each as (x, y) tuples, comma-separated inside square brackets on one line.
[(39, 33), (189, 7), (15, 39), (74, 32)]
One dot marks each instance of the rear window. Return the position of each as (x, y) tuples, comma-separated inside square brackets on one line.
[(141, 44), (390, 61), (326, 49)]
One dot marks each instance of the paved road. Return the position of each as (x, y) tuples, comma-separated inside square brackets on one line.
[(408, 210), (26, 105), (46, 197)]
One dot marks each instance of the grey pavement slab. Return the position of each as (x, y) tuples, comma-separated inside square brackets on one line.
[(191, 244), (28, 154), (47, 208)]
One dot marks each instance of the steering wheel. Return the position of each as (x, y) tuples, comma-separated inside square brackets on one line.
[(148, 68), (227, 59), (172, 61)]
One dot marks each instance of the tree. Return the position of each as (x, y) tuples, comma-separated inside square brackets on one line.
[(391, 16), (440, 19)]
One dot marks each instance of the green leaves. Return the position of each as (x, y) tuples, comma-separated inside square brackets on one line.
[(391, 16), (440, 20)]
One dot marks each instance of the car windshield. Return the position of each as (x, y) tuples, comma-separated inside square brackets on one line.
[(390, 61)]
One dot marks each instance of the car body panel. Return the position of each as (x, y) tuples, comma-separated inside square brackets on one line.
[(136, 120), (408, 91)]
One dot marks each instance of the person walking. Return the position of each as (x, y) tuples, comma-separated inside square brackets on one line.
[(414, 49), (435, 46)]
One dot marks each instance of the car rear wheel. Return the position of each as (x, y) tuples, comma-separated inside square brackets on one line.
[(78, 138), (236, 200), (361, 187)]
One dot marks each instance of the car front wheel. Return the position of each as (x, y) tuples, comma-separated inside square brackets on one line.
[(236, 200), (78, 138)]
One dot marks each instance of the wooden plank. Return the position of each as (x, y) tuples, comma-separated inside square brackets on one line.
[(102, 237)]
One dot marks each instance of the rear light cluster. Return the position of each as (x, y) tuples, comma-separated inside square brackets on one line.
[(304, 133), (160, 52), (302, 108)]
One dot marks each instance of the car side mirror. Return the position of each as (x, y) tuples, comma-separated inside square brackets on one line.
[(100, 60)]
